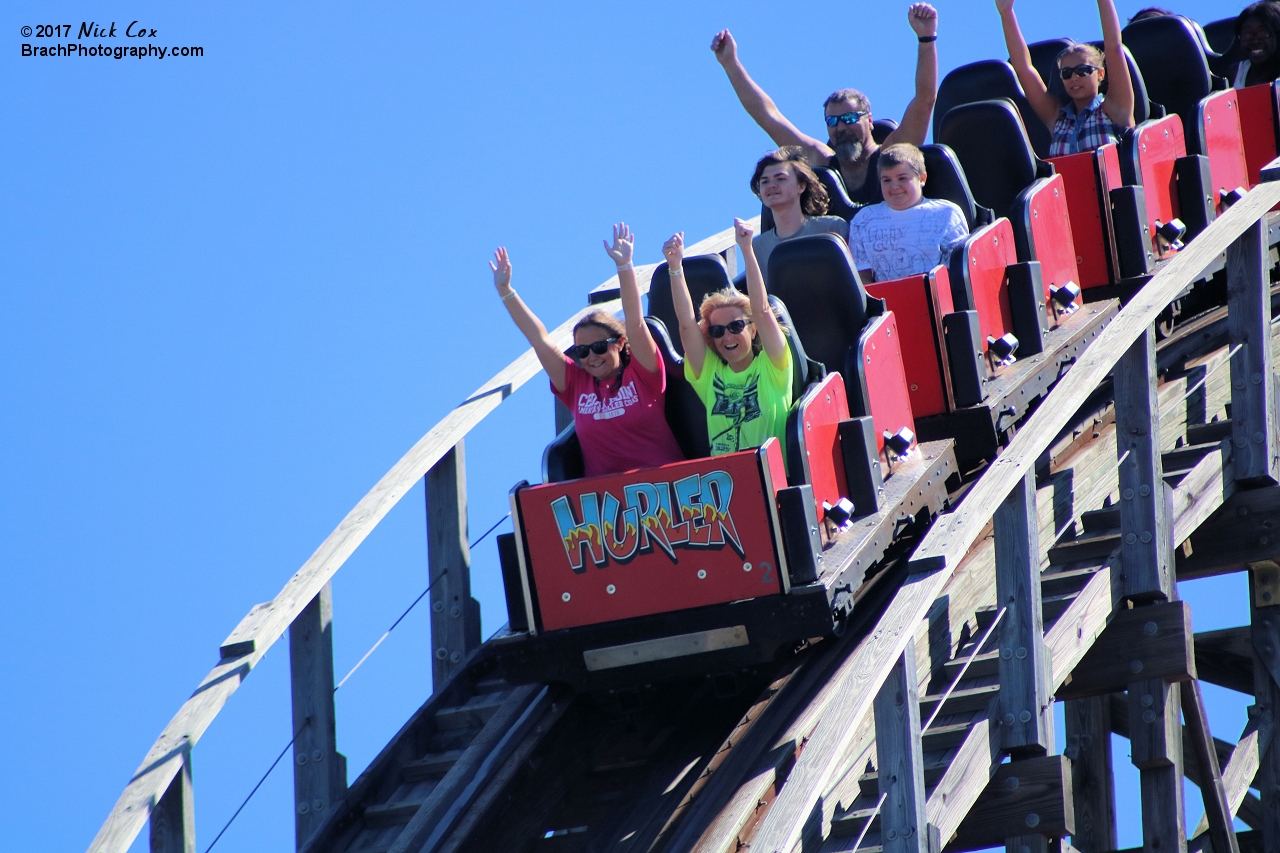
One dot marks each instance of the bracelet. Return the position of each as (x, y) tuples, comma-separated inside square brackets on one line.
[(926, 39), (675, 271), (624, 267), (510, 295)]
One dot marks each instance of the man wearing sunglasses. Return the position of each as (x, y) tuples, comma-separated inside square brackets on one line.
[(850, 148)]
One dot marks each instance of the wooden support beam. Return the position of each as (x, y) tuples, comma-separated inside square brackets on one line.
[(455, 615), (1216, 808), (900, 762), (1092, 784), (1025, 705), (1266, 691), (1244, 530), (1155, 737), (1225, 658), (173, 820), (1253, 391), (1146, 547), (1028, 801), (1149, 642), (319, 772)]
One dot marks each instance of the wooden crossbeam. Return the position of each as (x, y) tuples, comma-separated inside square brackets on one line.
[(1244, 530), (1154, 642), (1029, 796)]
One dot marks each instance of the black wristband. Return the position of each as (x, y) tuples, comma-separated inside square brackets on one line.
[(927, 39)]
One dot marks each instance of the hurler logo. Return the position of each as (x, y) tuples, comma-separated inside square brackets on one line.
[(606, 527)]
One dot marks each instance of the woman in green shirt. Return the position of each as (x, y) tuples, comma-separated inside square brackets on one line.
[(746, 382)]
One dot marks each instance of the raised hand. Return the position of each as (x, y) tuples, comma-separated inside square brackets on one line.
[(501, 266), (673, 249), (623, 244), (1004, 6), (724, 47), (924, 18), (742, 232)]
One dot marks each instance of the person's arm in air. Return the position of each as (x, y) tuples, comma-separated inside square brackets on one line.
[(549, 355), (643, 348), (761, 107), (695, 346), (771, 337), (1045, 105), (915, 121), (1118, 105)]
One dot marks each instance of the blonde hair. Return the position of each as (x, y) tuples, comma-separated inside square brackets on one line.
[(729, 297)]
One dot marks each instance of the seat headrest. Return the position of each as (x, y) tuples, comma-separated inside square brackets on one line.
[(991, 143), (802, 372), (1044, 57), (981, 81), (840, 203), (685, 413), (703, 274), (1173, 62), (947, 181), (881, 128), (817, 280), (1220, 35)]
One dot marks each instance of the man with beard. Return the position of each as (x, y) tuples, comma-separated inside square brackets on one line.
[(850, 148)]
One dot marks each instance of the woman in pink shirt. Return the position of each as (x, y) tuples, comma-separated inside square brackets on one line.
[(613, 378)]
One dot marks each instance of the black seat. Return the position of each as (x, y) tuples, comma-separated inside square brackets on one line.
[(991, 143), (947, 181), (703, 274), (838, 201), (881, 128), (1173, 62), (1221, 35), (816, 277), (1044, 57), (981, 81)]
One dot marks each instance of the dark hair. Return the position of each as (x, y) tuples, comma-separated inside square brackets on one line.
[(813, 197), (612, 325), (1267, 11), (1149, 12), (858, 99)]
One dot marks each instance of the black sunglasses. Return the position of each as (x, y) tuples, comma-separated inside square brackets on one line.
[(733, 327), (847, 118), (580, 351), (1078, 70)]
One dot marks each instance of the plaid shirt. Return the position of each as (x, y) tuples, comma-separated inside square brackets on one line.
[(1083, 131)]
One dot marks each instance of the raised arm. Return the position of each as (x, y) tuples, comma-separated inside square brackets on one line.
[(1045, 104), (695, 345), (915, 121), (549, 355), (771, 337), (1118, 104), (643, 349), (760, 106)]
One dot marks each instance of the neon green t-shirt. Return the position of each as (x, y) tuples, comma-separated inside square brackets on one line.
[(743, 409)]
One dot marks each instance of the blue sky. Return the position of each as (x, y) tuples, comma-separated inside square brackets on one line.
[(238, 287)]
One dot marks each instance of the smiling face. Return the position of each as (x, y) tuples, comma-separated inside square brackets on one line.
[(1257, 40), (734, 349), (1084, 89), (901, 186), (780, 189), (600, 366), (849, 141)]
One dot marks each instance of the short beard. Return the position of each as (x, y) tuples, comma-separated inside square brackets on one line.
[(849, 151)]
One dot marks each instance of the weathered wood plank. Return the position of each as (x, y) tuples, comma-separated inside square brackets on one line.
[(1265, 621), (163, 760), (1092, 784), (1070, 638), (1239, 770), (1155, 735), (1216, 807), (455, 615), (1225, 658), (1253, 396), (173, 820), (319, 773), (1246, 529), (1025, 703), (1149, 642), (899, 760), (1032, 795), (950, 538)]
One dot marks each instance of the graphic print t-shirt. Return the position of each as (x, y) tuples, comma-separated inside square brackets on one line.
[(743, 409), (899, 243), (621, 426)]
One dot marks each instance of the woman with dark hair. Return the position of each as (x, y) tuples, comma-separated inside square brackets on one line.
[(796, 198), (613, 378), (1257, 30), (1091, 119)]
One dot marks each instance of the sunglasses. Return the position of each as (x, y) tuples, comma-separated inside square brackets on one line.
[(847, 118), (1078, 71), (734, 327), (580, 351)]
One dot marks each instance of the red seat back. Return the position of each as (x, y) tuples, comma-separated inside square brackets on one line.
[(1089, 177), (1043, 229), (1258, 127), (919, 303), (885, 378), (1152, 152), (978, 278), (816, 431), (1218, 130)]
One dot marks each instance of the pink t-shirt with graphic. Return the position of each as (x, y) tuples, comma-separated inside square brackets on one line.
[(621, 425)]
